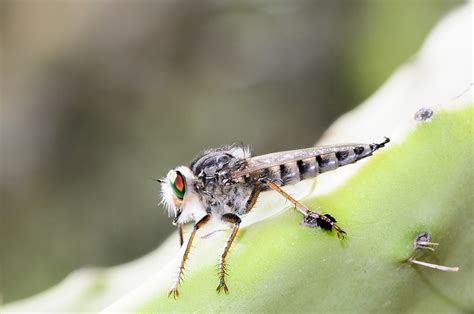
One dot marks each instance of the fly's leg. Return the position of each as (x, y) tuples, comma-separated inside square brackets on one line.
[(311, 218), (179, 276), (181, 237), (235, 221), (253, 197)]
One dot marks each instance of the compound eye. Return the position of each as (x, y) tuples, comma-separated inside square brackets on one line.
[(178, 183)]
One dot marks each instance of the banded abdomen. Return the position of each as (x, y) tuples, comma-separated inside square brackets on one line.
[(293, 166)]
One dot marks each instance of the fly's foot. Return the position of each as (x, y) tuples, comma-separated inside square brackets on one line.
[(341, 234), (222, 286), (310, 220), (173, 292), (325, 222), (313, 220)]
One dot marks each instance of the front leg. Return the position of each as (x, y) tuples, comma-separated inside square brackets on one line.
[(235, 221), (174, 288), (181, 232)]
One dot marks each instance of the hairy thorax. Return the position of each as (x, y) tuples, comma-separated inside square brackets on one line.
[(218, 191)]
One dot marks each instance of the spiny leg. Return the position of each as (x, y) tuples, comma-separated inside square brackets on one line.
[(174, 288), (181, 232), (235, 221), (311, 218)]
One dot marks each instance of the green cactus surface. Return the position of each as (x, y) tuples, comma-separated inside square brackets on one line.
[(422, 184)]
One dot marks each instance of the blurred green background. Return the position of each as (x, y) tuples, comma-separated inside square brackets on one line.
[(97, 97)]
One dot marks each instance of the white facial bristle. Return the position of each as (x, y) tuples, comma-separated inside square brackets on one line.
[(167, 198)]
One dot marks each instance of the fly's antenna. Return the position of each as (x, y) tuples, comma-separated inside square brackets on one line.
[(158, 180), (381, 144)]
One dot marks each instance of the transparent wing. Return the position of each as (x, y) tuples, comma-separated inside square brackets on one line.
[(257, 163)]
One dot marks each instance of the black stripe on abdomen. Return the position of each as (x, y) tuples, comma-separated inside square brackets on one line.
[(289, 173), (308, 168), (327, 162)]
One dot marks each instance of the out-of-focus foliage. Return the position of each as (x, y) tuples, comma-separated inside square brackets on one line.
[(97, 97)]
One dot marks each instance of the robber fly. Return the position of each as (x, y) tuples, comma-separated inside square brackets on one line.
[(225, 183)]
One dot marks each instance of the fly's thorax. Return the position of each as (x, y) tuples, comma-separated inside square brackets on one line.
[(219, 199), (219, 161), (179, 195), (218, 191)]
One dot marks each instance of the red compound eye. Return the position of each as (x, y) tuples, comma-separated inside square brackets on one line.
[(178, 183)]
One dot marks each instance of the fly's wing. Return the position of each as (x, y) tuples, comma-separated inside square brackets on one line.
[(258, 163)]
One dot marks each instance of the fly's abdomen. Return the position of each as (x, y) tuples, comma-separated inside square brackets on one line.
[(333, 158)]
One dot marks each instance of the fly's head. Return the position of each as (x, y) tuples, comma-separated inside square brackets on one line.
[(178, 194)]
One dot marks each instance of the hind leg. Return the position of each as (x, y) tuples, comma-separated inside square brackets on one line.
[(311, 218)]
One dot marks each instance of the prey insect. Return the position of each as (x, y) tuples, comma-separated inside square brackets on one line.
[(225, 183)]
